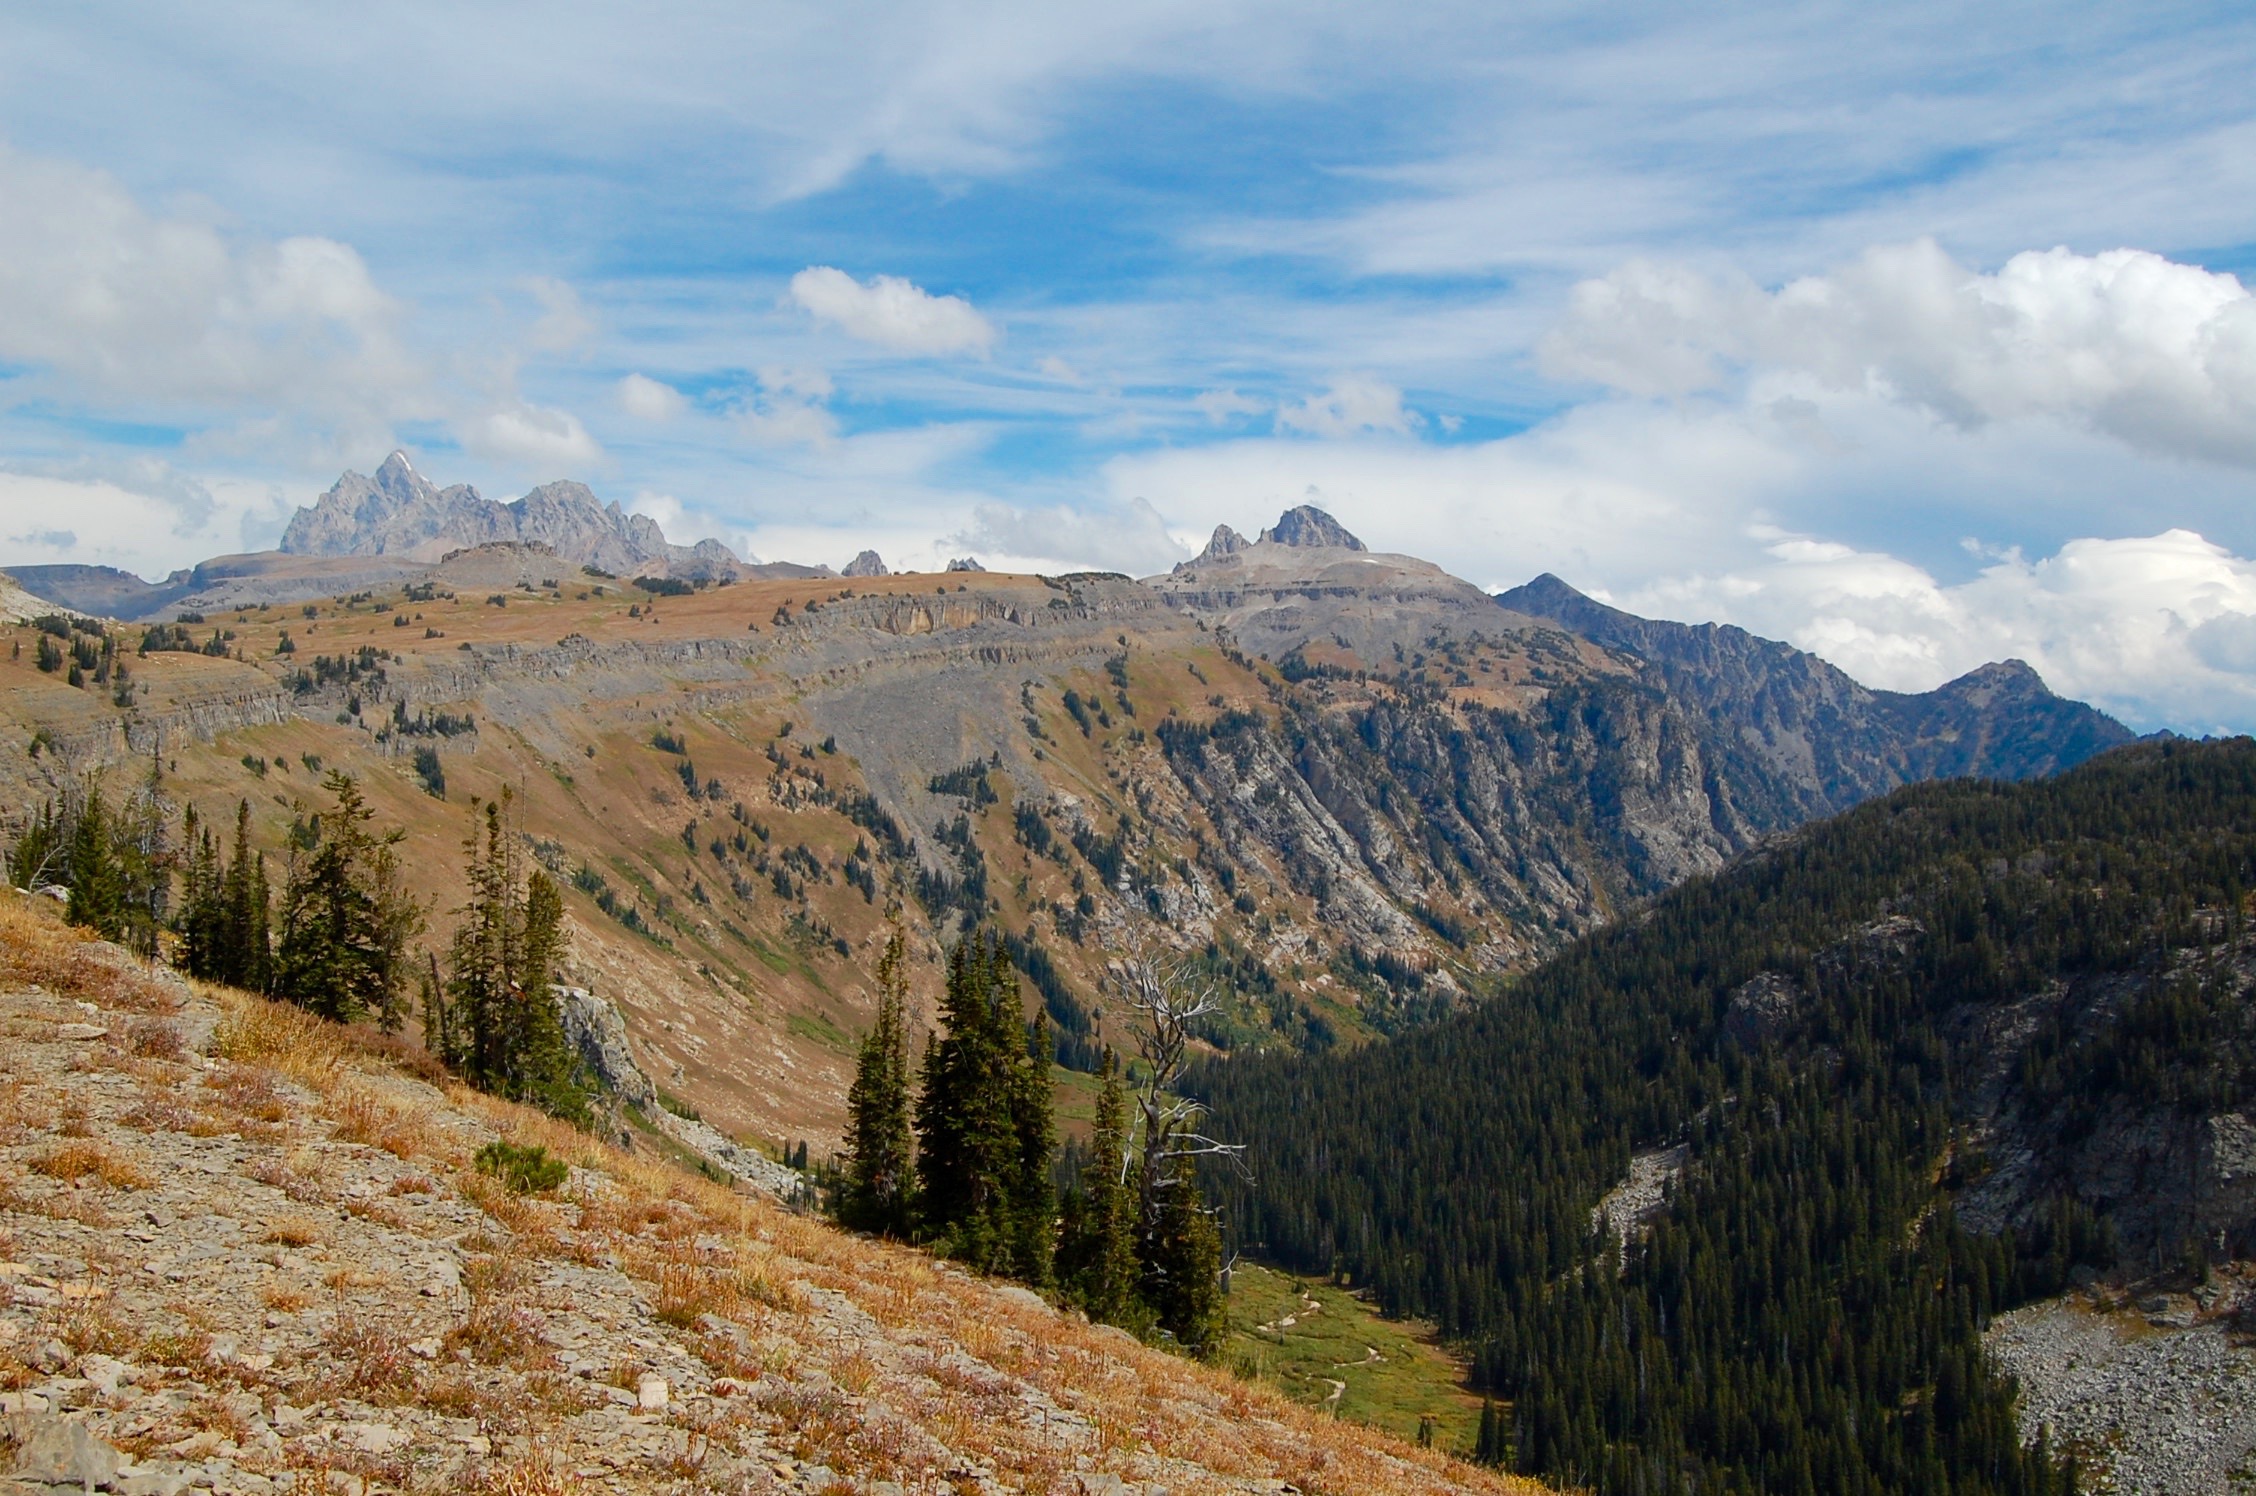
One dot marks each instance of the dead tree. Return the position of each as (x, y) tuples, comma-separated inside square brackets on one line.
[(1164, 1002)]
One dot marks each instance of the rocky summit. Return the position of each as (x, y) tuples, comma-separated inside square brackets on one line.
[(399, 512)]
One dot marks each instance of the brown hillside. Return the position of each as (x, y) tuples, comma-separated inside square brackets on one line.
[(248, 1250)]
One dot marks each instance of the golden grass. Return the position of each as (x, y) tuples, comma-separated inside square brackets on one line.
[(37, 948), (79, 1160), (293, 1231), (706, 1250)]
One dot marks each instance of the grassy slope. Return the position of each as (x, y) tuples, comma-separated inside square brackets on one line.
[(1387, 1373)]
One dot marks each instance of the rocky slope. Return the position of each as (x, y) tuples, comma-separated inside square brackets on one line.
[(1823, 741), (1349, 787), (246, 1252)]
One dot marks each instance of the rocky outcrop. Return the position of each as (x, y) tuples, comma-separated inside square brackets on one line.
[(965, 563), (866, 564)]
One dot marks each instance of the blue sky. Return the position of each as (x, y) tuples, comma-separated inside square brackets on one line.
[(1916, 334)]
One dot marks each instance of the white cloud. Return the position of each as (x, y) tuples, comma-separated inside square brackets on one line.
[(2160, 629), (788, 409), (1058, 371), (1221, 406), (892, 313), (533, 436), (119, 304), (564, 323), (1354, 404), (648, 399), (2156, 354), (143, 517), (1128, 536)]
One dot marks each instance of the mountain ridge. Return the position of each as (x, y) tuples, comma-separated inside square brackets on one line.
[(397, 511)]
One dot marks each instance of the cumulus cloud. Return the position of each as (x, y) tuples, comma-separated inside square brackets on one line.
[(892, 313), (1353, 405), (2154, 353), (118, 303), (2159, 628), (144, 517), (1128, 536), (533, 436), (648, 399)]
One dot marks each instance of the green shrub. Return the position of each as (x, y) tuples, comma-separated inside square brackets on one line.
[(526, 1169)]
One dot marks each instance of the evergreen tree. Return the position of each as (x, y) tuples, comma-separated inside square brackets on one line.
[(967, 1143), (494, 1020), (346, 918), (97, 889), (1098, 1257), (1181, 1263), (1033, 1199), (41, 851), (877, 1193), (202, 923), (247, 939)]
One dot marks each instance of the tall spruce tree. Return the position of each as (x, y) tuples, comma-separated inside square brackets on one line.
[(983, 1122), (877, 1195), (1102, 1276), (1181, 1262), (97, 883), (494, 1020), (347, 918), (247, 939), (966, 1143)]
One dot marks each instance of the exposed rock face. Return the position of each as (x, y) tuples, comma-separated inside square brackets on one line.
[(400, 512), (596, 1032), (1225, 541), (966, 563), (1306, 525), (1825, 741), (867, 564)]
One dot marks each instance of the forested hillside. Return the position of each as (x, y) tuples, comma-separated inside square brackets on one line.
[(1958, 991)]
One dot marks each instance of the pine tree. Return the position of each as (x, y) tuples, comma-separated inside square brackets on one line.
[(1182, 1264), (968, 1123), (97, 893), (877, 1195), (202, 923), (246, 942), (1033, 1198), (1102, 1246), (494, 1020), (346, 918)]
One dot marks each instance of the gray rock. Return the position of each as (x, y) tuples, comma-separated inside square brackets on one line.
[(965, 563), (595, 1029), (60, 1452), (1308, 526), (867, 564)]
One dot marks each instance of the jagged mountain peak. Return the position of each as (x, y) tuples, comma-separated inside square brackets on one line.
[(399, 512), (1305, 525), (867, 564)]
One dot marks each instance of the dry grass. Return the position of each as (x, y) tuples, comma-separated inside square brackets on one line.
[(253, 1031), (38, 949), (361, 1116), (732, 1273), (293, 1231), (531, 1476), (155, 1039), (78, 1160)]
